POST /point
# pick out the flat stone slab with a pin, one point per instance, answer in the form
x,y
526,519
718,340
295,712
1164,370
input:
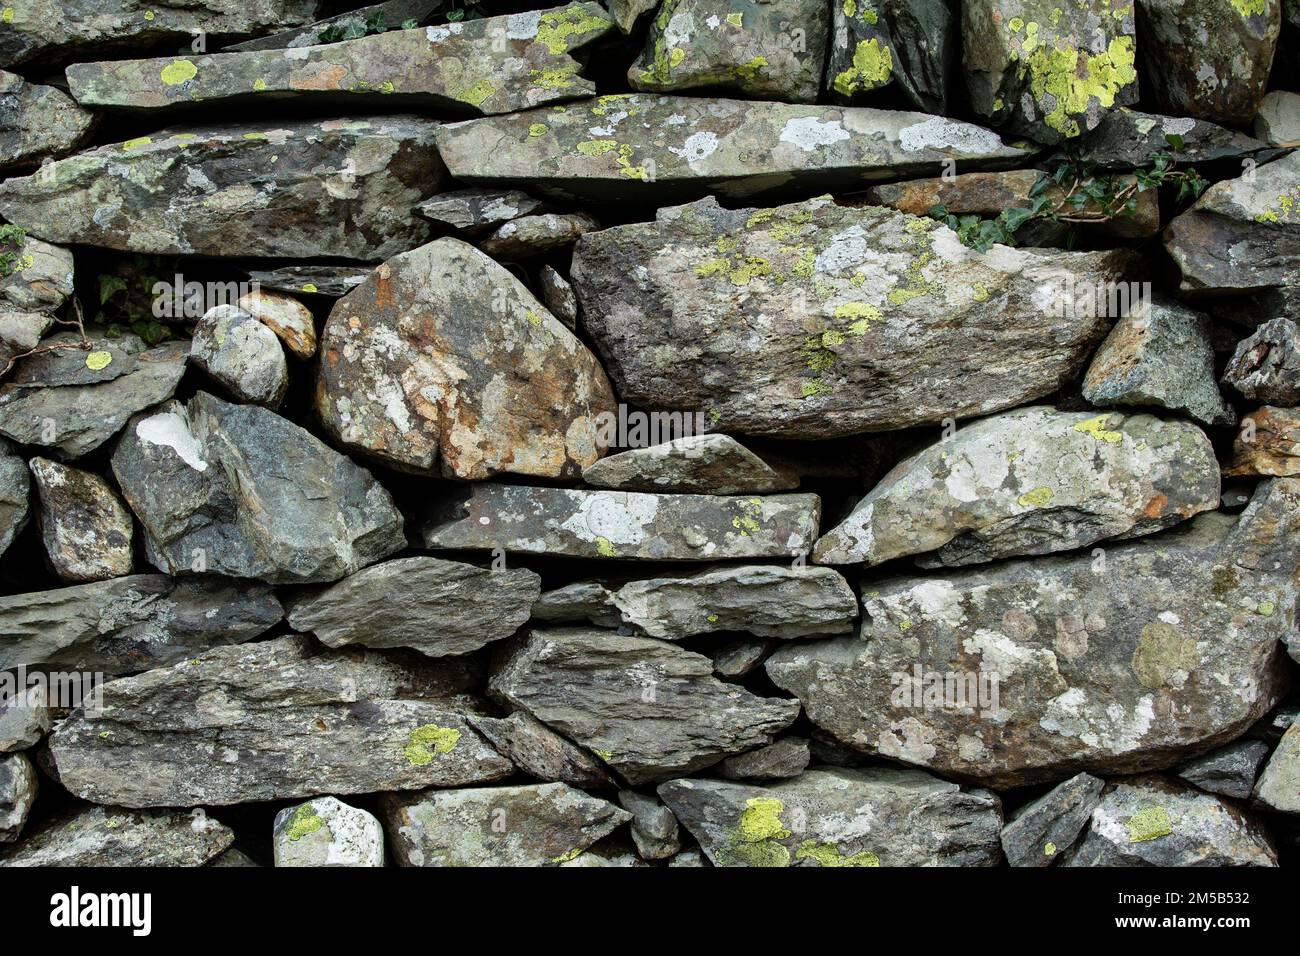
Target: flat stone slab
x,y
708,464
107,836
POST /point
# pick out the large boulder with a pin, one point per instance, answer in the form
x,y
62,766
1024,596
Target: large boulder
x,y
37,122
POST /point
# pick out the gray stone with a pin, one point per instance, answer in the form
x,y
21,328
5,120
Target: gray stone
x,y
649,710
476,211
581,601
909,44
392,12
1031,481
537,235
84,525
1039,832
710,464
737,658
539,825
689,858
625,525
763,600
536,749
232,857
654,828
784,758
24,719
242,355
436,607
1229,771
37,122
610,852
878,817
274,721
324,280
238,490
1279,785
130,624
626,12
1278,119
15,492
17,794
815,320
32,290
559,296
289,319
105,836
326,831
1266,366
1129,139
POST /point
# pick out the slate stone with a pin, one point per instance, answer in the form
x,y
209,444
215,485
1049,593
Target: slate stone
x,y
323,280
18,788
1266,366
1278,119
1039,832
1229,771
654,828
106,836
910,45
530,236
709,464
289,319
394,13
558,296
1128,139
477,211
537,750
15,493
1273,449
242,355
32,291
581,601
787,757
85,527
1279,785
37,122
24,719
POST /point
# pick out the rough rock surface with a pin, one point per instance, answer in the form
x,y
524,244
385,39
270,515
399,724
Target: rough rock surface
x,y
1128,138
288,318
879,817
536,749
394,12
339,187
626,525
242,354
1266,366
325,280
537,235
1031,481
709,464
105,836
815,320
37,122
908,43
15,491
650,710
1040,831
31,292
1229,771
238,490
654,828
1132,659
436,607
539,825
1279,785
581,601
787,757
737,658
1278,119
17,794
84,525
475,211
442,360
327,832
559,296
24,719
273,721
1274,446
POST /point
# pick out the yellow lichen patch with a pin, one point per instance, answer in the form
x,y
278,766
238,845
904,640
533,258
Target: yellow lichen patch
x,y
748,522
136,143
1063,80
1250,8
1164,655
259,85
309,287
7,15
1037,498
99,360
597,147
566,857
305,821
560,78
736,19
1149,823
828,854
1096,427
754,840
873,64
1049,849
861,315
605,548
428,741
474,95
561,30
538,129
178,71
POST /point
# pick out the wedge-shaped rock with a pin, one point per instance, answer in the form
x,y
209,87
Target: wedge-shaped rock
x,y
1041,831
579,602
536,235
884,816
1031,481
698,464
274,721
1278,119
1229,771
15,492
787,757
493,65
538,750
17,794
771,49
1274,446
131,623
1048,70
325,280
443,360
1128,139
1153,821
1266,365
764,600
37,122
1130,659
909,44
1279,785
650,710
288,318
814,320
327,832
624,524
391,13
648,148
238,490
84,525
71,401
24,719
476,211
31,292
541,825
296,189
105,836
436,607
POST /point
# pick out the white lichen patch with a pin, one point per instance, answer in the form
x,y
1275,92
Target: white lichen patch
x,y
170,430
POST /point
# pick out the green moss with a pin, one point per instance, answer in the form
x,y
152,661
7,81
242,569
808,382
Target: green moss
x,y
828,854
305,821
428,741
1149,823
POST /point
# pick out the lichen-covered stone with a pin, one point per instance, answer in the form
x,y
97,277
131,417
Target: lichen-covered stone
x,y
768,49
1267,444
654,828
1133,658
1039,832
1048,70
32,290
324,280
1279,785
536,749
709,464
17,794
84,525
787,757
483,66
105,836
910,44
37,122
814,320
288,318
242,354
884,816
1278,119
625,525
1229,771
1266,365
238,490
540,825
645,148
24,719
392,13
301,188
1031,481
626,12
764,600
326,831
15,491
537,235
649,710
443,361
274,721
1130,139
436,607
476,211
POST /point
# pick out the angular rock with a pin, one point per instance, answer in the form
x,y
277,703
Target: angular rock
x,y
1040,831
911,44
17,794
483,66
24,720
1159,353
540,825
813,320
327,832
233,857
476,211
654,828
1128,139
1050,71
331,281
784,758
273,721
392,13
282,190
1279,785
1030,671
32,290
288,318
1278,119
1152,821
626,12
626,525
879,817
1266,366
15,491
763,600
436,607
652,148
1032,481
536,749
1273,448
131,623
767,49
73,400
443,361
651,711
1229,771
238,490
1206,60
242,355
85,527
536,235
105,836
612,852
689,858
708,464
37,122
588,601
737,658
558,296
